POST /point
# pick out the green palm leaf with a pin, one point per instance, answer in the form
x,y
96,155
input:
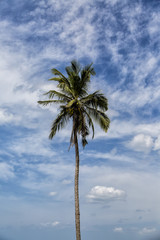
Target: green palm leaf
x,y
96,100
45,103
61,78
61,96
85,76
90,122
100,117
59,123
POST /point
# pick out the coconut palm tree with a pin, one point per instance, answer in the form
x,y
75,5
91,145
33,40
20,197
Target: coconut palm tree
x,y
82,108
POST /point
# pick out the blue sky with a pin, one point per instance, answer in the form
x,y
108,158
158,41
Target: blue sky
x,y
120,170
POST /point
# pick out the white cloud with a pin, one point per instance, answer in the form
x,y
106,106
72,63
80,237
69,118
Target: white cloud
x,y
52,193
34,144
151,129
112,113
55,223
128,128
147,230
154,24
66,182
157,144
104,194
151,63
6,117
50,224
112,155
118,229
141,143
6,171
16,70
59,170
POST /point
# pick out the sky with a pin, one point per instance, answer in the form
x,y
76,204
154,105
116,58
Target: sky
x,y
120,169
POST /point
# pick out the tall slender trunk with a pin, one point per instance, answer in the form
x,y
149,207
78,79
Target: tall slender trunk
x,y
76,189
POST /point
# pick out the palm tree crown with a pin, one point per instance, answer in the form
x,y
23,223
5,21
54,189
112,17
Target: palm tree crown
x,y
76,103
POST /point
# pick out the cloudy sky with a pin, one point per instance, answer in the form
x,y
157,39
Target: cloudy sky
x,y
120,170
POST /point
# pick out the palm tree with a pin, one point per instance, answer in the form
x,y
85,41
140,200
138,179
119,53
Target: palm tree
x,y
81,107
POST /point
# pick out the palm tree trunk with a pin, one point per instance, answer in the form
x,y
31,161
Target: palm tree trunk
x,y
77,212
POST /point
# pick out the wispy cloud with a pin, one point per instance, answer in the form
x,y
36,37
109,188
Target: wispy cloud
x,y
118,229
50,224
52,193
33,144
6,117
6,171
147,230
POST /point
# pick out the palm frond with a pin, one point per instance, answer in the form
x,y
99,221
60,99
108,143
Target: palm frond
x,y
75,66
45,103
69,71
74,78
58,79
65,89
100,117
90,122
85,76
63,85
83,129
74,81
59,123
60,95
61,78
71,139
74,69
90,69
96,100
